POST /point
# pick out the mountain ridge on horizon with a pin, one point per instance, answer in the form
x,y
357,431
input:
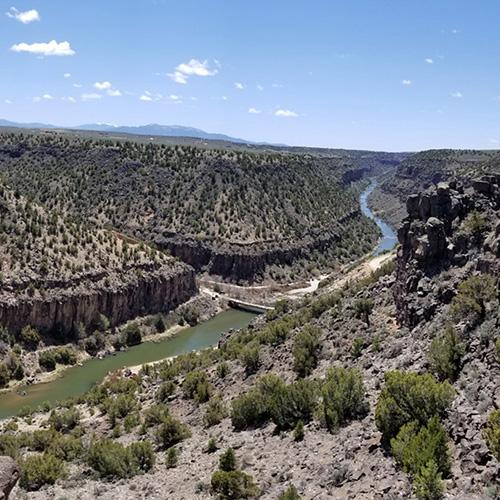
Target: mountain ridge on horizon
x,y
153,129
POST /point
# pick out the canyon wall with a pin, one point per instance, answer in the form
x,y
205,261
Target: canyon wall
x,y
60,310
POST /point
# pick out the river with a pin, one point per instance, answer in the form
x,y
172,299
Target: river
x,y
389,238
77,380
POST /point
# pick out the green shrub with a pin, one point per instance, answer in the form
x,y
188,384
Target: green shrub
x,y
110,459
408,397
159,323
359,344
306,349
363,308
227,461
414,447
290,493
343,397
4,375
492,433
196,386
428,484
445,355
119,406
38,470
215,412
29,338
64,420
47,360
102,323
172,457
165,390
142,455
250,357
233,485
65,356
298,431
156,414
222,370
211,445
132,334
293,403
473,294
171,432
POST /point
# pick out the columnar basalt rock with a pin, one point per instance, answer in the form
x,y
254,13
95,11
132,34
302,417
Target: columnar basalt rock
x,y
431,242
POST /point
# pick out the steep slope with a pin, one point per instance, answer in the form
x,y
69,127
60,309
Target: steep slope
x,y
56,273
230,213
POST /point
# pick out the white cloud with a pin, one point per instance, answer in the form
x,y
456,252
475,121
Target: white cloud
x,y
260,87
67,75
51,48
91,97
174,97
47,97
25,17
456,94
102,85
192,68
145,98
69,99
224,97
44,97
8,101
277,86
114,93
428,60
406,82
77,85
287,113
254,111
239,85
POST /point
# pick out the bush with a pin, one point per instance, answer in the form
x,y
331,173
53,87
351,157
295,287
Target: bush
x,y
156,414
473,294
408,397
142,455
306,349
492,433
171,432
4,375
159,323
298,431
445,355
292,403
359,344
233,485
64,420
119,406
102,323
250,357
211,445
222,369
110,459
215,412
47,360
414,447
165,390
196,386
172,457
290,493
38,470
132,334
65,356
428,484
227,461
343,397
29,338
363,308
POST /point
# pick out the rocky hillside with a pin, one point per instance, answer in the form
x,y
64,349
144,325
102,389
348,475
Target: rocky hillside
x,y
385,388
56,273
231,213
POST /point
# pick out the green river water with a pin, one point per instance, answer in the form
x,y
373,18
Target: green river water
x,y
76,380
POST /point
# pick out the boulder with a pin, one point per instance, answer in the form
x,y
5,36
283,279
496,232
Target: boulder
x,y
9,474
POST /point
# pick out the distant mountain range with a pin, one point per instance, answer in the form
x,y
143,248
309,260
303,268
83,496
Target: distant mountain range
x,y
150,129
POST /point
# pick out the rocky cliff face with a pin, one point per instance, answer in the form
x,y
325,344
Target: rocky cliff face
x,y
439,235
247,262
138,293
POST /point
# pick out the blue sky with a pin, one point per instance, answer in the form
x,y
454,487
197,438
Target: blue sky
x,y
370,74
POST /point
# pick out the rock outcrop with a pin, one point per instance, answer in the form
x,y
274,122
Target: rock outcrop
x,y
9,475
138,292
433,238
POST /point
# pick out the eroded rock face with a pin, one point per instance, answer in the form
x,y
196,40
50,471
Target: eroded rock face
x,y
9,474
431,240
139,294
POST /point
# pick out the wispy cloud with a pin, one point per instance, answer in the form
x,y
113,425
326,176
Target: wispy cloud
x,y
113,93
406,82
286,113
91,97
254,111
77,85
51,48
69,99
8,101
428,60
239,85
44,97
260,87
456,94
145,98
67,75
193,67
102,85
26,17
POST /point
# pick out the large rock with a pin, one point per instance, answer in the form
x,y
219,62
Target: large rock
x,y
9,474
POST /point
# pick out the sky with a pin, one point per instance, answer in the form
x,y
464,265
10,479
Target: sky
x,y
395,75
